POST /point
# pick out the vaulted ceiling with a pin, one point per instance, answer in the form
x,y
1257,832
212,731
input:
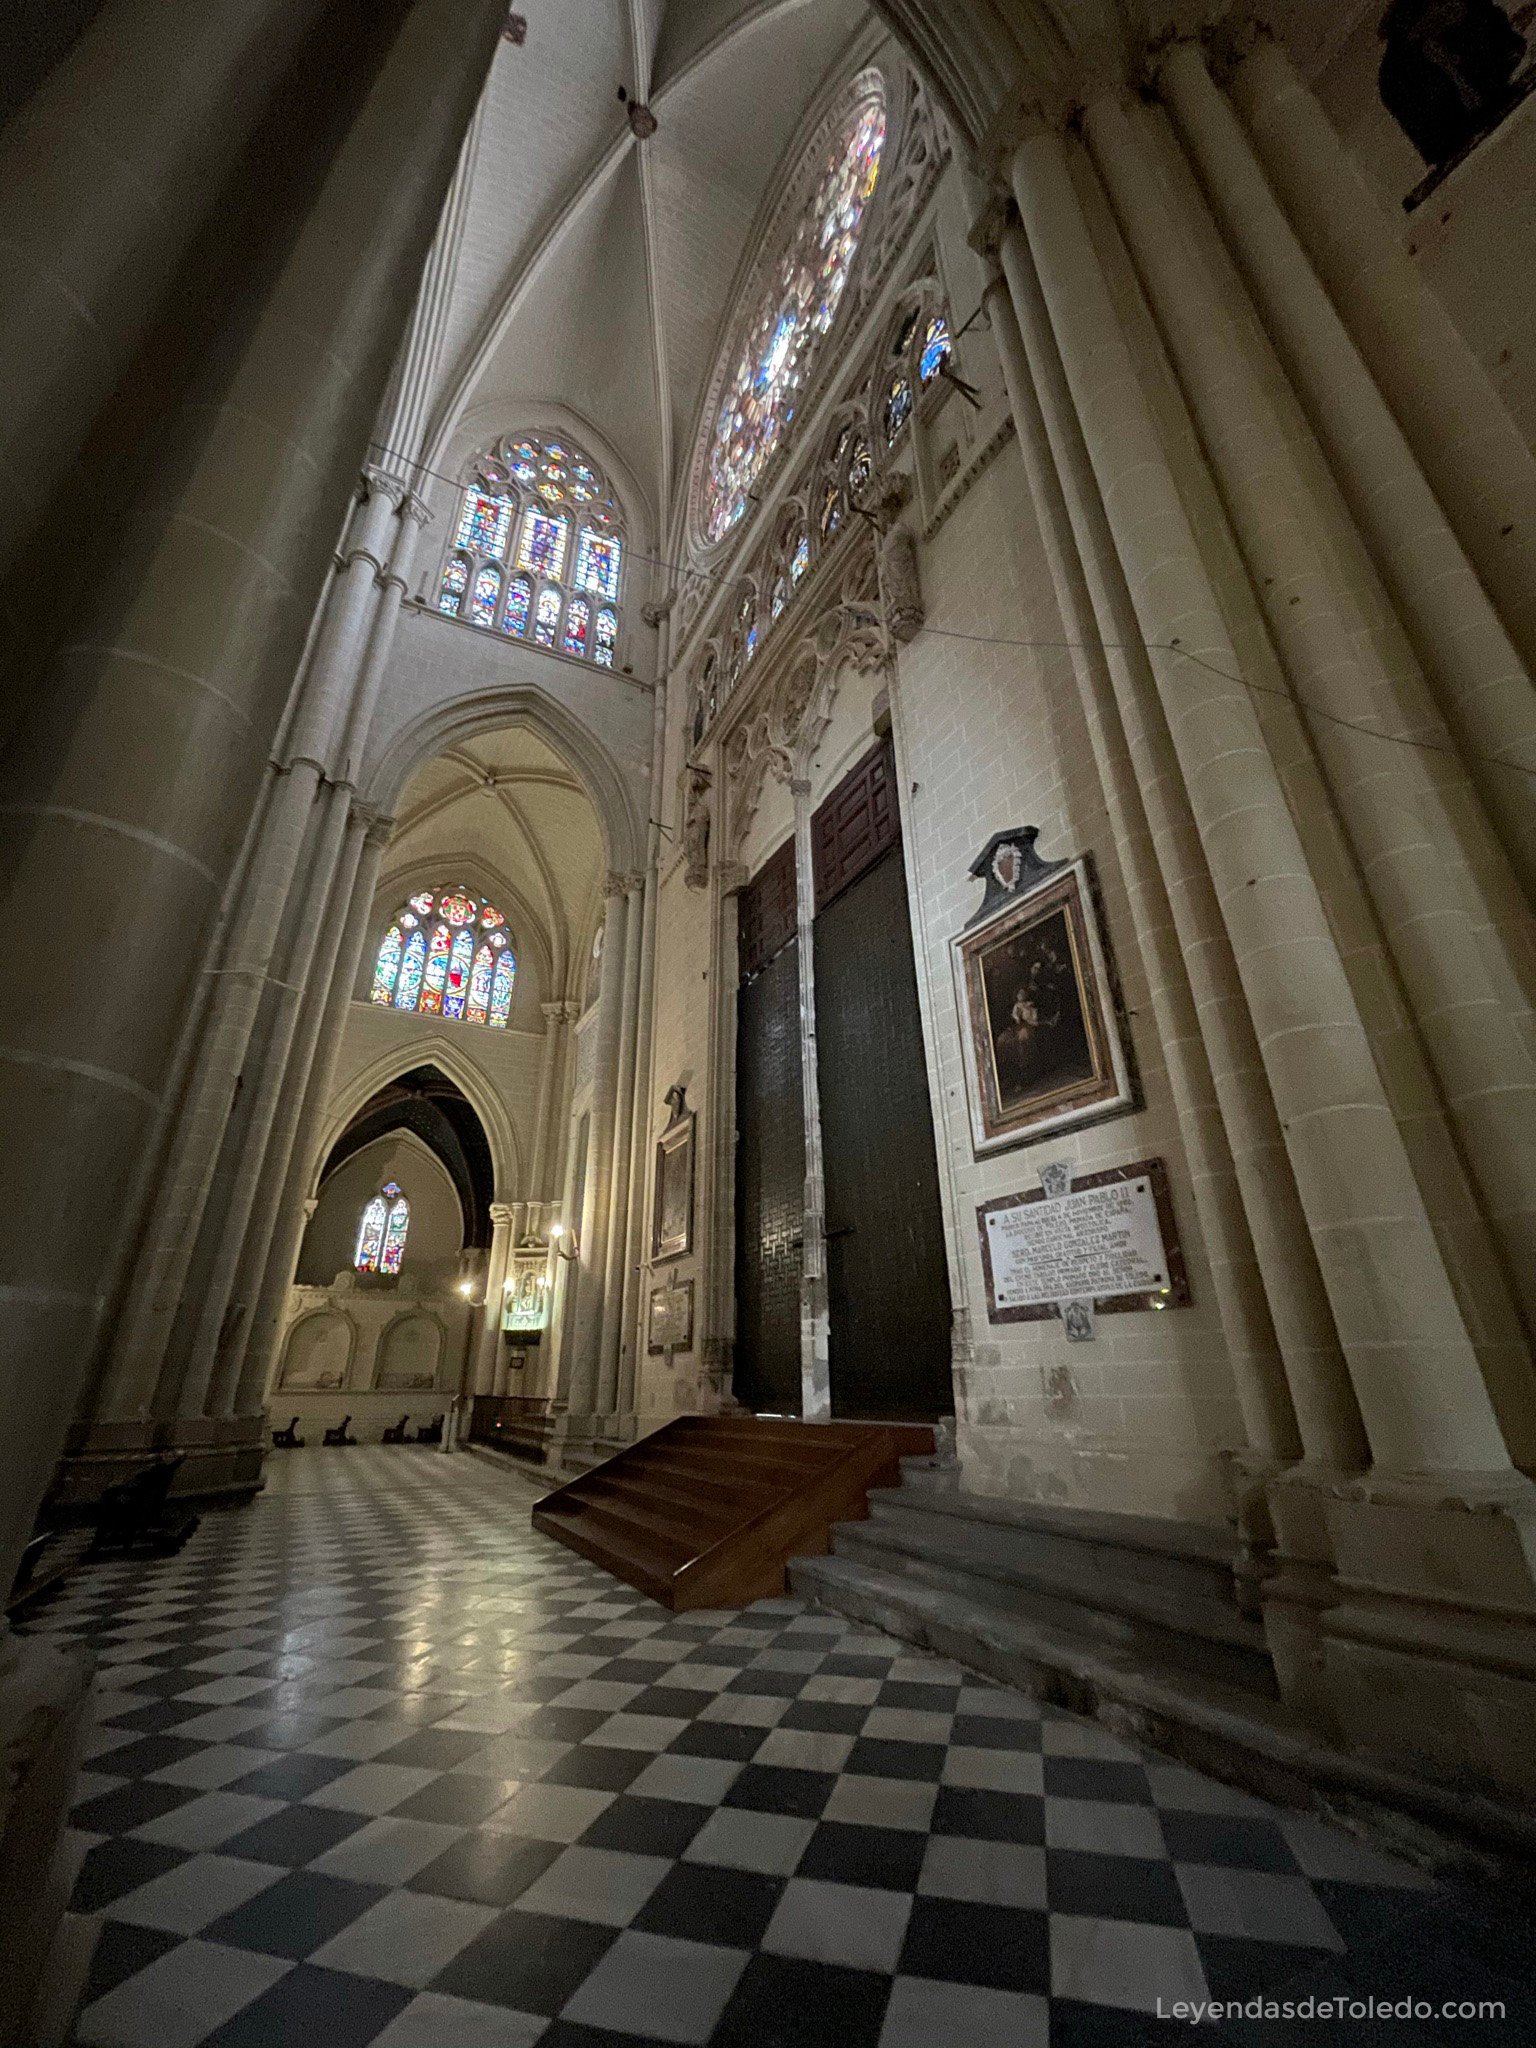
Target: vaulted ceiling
x,y
596,266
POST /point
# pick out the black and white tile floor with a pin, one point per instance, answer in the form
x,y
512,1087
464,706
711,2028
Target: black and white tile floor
x,y
377,1764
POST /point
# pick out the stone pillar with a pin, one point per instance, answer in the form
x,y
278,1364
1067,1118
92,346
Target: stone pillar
x,y
586,1359
488,1342
130,780
614,1277
107,174
815,1320
271,1300
1447,405
549,1064
1224,1192
1483,687
1407,807
1414,1371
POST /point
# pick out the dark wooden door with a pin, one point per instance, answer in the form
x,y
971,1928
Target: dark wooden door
x,y
770,1144
887,1281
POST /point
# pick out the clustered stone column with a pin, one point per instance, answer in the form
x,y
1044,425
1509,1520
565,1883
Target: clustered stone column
x,y
1304,669
160,765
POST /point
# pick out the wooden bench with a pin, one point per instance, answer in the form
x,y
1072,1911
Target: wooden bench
x,y
395,1434
338,1435
288,1439
431,1432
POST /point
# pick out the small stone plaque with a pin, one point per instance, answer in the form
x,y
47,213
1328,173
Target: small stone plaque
x,y
671,1319
1107,1243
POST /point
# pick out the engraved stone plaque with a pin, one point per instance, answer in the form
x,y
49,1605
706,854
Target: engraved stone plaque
x,y
1108,1243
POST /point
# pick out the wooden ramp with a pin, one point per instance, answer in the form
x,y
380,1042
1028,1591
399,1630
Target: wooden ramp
x,y
707,1511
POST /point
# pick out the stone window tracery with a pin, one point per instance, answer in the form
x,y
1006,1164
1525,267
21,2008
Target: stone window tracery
x,y
538,552
447,953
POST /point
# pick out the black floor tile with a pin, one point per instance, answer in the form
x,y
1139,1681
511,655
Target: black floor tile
x,y
121,1952
150,1753
987,1731
597,1768
673,1700
1114,1888
825,1717
926,1699
646,1827
779,1685
562,1724
294,1776
119,1866
988,1816
694,1902
313,2008
781,2002
289,1731
876,1758
1236,1968
1003,1947
531,1962
459,1799
295,1915
486,1868
888,1858
159,1716
296,1835
770,1788
839,1665
129,1806
719,1739
1224,1838
1107,2026
434,1749
1086,1777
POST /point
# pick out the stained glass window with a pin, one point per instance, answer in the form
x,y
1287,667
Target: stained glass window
x,y
607,637
800,560
597,564
370,1235
547,507
898,407
394,1235
482,606
780,596
519,603
831,507
484,524
436,972
501,988
480,985
798,295
541,544
456,993
387,967
935,349
455,582
408,987
449,966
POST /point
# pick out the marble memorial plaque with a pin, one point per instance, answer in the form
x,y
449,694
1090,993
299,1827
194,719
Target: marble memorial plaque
x,y
1108,1242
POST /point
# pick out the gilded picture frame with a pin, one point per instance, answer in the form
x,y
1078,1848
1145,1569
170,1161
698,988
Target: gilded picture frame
x,y
672,1193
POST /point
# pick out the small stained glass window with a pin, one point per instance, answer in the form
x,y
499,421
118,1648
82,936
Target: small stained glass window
x,y
831,507
454,584
460,960
519,604
607,637
578,618
541,545
597,564
898,407
436,973
370,1235
936,347
501,989
484,524
408,986
393,1249
800,560
546,619
480,985
482,606
386,968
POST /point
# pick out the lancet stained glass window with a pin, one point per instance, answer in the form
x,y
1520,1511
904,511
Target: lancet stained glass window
x,y
381,1231
799,291
447,953
539,507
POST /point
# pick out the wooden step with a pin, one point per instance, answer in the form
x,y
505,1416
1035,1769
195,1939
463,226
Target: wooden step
x,y
707,1510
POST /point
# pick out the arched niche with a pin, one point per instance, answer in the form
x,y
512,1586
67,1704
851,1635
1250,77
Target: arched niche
x,y
317,1354
410,1353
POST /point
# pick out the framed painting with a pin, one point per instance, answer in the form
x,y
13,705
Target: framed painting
x,y
672,1197
1044,1048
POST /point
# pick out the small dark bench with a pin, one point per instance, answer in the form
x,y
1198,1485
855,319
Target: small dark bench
x,y
288,1439
431,1432
395,1434
338,1435
136,1513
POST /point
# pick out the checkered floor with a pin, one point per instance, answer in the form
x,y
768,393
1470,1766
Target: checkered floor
x,y
376,1764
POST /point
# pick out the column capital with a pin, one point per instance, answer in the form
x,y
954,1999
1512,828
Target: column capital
x,y
379,827
383,483
501,1214
654,614
573,1011
553,1012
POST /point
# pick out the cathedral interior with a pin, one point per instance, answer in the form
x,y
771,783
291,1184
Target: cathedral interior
x,y
778,1285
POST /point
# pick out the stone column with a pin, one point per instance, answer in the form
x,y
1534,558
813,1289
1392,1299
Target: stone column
x,y
488,1341
549,1063
815,1320
1447,405
1407,807
1482,685
623,1125
129,781
271,1298
107,174
586,1360
1224,1192
1414,1371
